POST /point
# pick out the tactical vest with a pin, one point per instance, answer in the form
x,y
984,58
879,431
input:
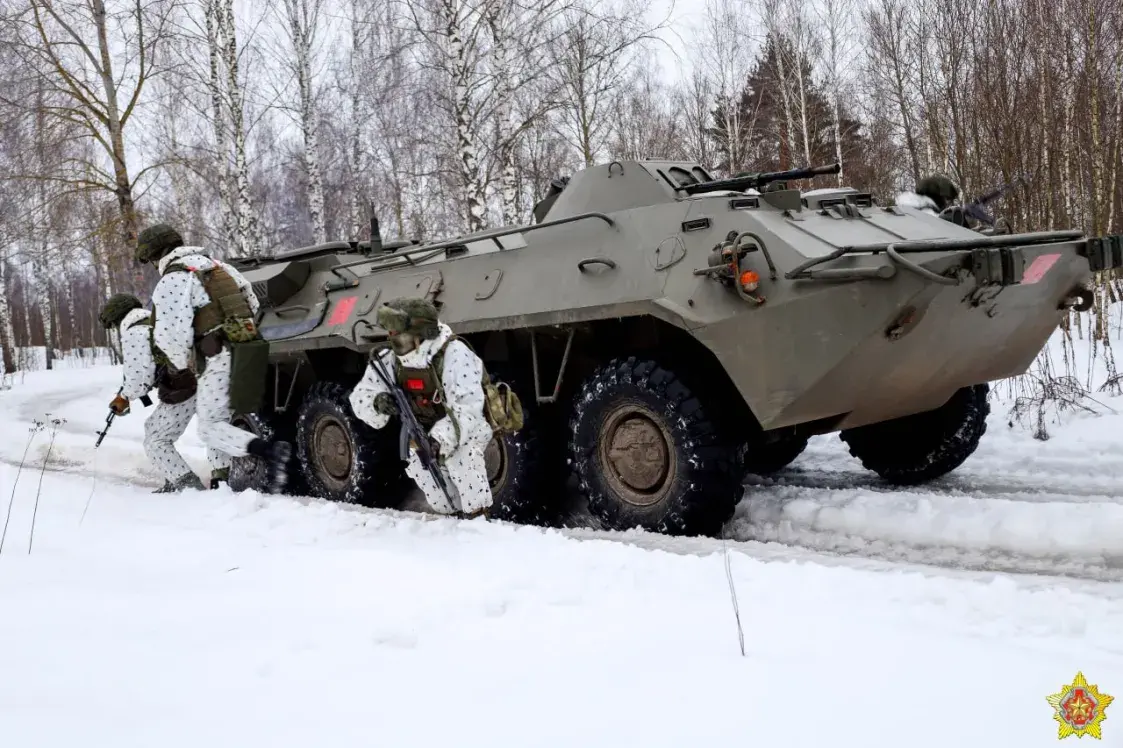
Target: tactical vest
x,y
423,387
227,308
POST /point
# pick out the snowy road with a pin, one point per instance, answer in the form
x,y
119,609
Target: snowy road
x,y
239,620
1018,505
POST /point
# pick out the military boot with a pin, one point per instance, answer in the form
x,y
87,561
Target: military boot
x,y
187,480
485,513
276,455
219,477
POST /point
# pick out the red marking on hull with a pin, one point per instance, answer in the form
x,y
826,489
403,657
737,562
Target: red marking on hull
x,y
1038,268
342,311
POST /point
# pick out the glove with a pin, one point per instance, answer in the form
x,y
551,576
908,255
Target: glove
x,y
384,404
119,405
434,447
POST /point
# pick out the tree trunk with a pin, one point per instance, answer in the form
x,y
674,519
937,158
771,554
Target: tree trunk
x,y
124,186
231,227
249,228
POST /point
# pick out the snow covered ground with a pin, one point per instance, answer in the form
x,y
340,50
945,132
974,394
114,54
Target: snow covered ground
x,y
869,617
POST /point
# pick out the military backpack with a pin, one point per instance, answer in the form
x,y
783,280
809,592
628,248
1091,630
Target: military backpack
x,y
226,321
173,386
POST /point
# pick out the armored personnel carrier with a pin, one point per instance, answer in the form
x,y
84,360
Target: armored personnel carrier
x,y
667,332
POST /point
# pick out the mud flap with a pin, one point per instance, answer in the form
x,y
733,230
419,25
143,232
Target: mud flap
x,y
249,370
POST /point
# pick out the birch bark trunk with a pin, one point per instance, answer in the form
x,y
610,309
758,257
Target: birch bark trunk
x,y
303,18
231,228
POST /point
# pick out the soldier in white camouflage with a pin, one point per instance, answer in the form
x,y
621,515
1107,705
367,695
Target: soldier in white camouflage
x,y
205,310
444,380
145,368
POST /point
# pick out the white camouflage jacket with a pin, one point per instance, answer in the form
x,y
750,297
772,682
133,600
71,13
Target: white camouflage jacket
x,y
461,377
920,202
178,295
136,347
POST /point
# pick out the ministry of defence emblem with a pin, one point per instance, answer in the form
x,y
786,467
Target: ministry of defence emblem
x,y
1079,708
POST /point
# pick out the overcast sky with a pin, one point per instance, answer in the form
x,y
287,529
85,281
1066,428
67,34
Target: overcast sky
x,y
684,14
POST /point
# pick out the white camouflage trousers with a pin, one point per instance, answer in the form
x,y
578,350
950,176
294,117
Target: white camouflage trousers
x,y
213,409
466,476
163,429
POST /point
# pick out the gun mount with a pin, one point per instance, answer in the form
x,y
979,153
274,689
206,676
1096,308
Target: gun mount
x,y
667,331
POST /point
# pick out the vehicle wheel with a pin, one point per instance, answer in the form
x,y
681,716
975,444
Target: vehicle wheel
x,y
342,458
517,463
250,472
765,458
921,447
647,453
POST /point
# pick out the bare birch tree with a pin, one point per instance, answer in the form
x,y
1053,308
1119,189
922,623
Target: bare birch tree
x,y
95,62
303,21
723,62
834,18
591,63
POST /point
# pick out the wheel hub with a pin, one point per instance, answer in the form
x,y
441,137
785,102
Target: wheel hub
x,y
332,449
635,450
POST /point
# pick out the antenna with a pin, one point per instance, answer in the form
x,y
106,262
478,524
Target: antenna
x,y
375,235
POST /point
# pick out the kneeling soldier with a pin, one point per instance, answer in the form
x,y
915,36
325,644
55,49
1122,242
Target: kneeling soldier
x,y
444,380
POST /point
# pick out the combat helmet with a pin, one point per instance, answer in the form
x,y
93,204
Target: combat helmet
x,y
115,309
939,188
414,316
155,242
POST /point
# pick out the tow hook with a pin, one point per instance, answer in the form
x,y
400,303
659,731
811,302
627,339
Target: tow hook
x,y
1078,300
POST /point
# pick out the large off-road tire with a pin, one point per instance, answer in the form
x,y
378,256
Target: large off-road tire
x,y
343,459
251,472
922,447
515,462
765,458
646,452
512,462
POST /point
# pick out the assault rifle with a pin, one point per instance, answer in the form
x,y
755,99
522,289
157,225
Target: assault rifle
x,y
144,399
757,181
412,430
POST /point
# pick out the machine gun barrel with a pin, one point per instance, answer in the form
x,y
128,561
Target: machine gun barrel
x,y
976,208
756,181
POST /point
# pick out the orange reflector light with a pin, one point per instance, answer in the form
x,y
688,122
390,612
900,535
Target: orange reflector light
x,y
749,280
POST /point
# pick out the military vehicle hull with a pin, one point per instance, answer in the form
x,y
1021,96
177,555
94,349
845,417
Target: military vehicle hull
x,y
765,317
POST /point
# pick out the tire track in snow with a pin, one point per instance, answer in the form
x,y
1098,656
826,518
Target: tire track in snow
x,y
757,541
1016,506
